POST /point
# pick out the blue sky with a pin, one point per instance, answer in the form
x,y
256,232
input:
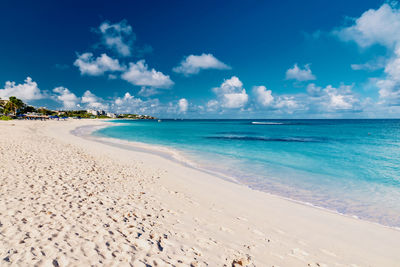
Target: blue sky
x,y
205,59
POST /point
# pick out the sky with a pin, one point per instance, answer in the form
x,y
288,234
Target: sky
x,y
205,59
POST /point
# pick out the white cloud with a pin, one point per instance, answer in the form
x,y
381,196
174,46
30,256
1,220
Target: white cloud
x,y
139,74
331,99
389,87
130,104
231,85
318,101
66,97
393,66
183,105
127,97
148,91
96,67
372,65
212,105
26,91
92,101
380,26
231,93
193,64
341,98
314,90
235,100
287,103
118,37
263,96
300,74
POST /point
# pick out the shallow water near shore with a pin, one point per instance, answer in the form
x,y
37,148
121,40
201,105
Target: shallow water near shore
x,y
349,166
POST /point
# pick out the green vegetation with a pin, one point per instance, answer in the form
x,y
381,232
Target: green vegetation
x,y
76,113
14,107
27,109
5,118
136,117
46,111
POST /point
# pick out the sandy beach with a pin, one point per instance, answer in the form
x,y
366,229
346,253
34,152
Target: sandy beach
x,y
66,200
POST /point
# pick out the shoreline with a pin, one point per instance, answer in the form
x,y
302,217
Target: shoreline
x,y
197,216
163,151
176,156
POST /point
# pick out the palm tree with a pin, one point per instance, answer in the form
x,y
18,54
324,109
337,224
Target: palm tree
x,y
14,104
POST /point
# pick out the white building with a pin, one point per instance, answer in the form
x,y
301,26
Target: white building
x,y
92,111
96,112
111,115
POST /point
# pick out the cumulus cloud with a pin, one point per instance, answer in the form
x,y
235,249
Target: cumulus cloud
x,y
88,65
193,64
139,74
287,103
300,74
332,99
235,100
130,104
127,97
118,37
212,105
380,26
27,91
341,98
93,101
66,97
317,100
389,87
263,96
231,93
183,105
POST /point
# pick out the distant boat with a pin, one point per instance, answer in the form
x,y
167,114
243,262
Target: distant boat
x,y
159,120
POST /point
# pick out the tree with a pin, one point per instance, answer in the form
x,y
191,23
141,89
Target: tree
x,y
44,111
27,109
13,105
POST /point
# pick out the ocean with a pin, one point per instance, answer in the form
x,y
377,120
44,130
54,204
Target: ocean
x,y
347,166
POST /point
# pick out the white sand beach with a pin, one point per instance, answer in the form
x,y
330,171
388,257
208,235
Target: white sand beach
x,y
72,201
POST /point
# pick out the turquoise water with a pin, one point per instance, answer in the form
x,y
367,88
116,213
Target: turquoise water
x,y
349,166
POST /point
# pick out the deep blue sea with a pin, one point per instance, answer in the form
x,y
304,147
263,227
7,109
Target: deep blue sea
x,y
348,166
